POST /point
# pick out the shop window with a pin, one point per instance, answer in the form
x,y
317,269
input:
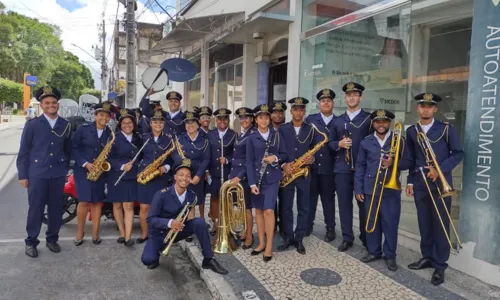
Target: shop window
x,y
193,93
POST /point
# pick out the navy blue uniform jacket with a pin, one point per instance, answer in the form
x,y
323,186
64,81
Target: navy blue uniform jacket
x,y
325,157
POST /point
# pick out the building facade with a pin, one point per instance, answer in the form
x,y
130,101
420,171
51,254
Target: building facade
x,y
253,52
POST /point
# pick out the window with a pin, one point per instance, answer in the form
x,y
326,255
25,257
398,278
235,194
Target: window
x,y
144,43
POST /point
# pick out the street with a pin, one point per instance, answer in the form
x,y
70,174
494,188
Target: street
x,y
106,271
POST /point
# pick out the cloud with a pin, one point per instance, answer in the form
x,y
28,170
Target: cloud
x,y
79,21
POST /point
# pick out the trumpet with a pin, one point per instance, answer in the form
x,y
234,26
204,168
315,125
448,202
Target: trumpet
x,y
445,191
232,217
393,180
171,235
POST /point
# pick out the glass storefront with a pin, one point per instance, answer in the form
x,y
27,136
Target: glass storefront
x,y
193,90
396,54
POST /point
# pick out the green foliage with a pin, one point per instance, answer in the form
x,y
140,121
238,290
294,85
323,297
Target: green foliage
x,y
10,91
15,111
93,92
29,46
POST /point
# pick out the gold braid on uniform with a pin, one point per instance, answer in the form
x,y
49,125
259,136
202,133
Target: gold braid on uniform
x,y
307,137
64,132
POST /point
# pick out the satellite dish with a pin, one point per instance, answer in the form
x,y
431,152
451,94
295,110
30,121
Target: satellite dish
x,y
86,98
149,76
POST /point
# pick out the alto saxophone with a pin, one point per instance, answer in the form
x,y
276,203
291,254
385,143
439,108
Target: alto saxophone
x,y
297,166
100,163
153,170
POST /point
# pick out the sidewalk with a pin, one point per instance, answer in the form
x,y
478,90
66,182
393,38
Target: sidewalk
x,y
10,136
325,273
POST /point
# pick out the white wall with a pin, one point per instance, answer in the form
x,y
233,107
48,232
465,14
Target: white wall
x,y
249,76
204,8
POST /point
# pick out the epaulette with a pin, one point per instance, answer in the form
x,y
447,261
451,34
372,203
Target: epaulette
x,y
164,190
84,124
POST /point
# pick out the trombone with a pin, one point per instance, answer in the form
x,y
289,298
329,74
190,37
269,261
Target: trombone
x,y
445,191
393,180
171,235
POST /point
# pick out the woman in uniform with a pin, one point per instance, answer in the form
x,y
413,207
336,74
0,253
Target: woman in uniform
x,y
87,144
158,144
194,146
124,193
205,114
238,170
265,154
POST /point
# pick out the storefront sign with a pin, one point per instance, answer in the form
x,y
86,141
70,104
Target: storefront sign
x,y
179,69
480,201
31,80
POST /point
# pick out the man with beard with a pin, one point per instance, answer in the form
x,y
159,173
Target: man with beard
x,y
446,146
174,117
42,165
165,208
377,157
347,132
322,168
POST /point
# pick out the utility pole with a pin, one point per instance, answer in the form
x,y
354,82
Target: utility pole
x,y
130,92
104,66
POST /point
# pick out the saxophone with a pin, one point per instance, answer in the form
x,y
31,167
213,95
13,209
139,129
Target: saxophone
x,y
100,163
153,170
298,166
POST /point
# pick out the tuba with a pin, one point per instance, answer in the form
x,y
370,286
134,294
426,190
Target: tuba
x,y
181,217
232,217
153,170
100,163
393,180
298,168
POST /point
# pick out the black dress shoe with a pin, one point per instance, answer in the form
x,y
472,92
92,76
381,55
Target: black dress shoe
x,y
54,247
120,240
96,241
77,242
422,263
31,251
129,243
189,239
153,265
141,240
267,258
245,246
369,258
257,252
286,243
437,277
344,246
330,235
300,248
391,264
213,265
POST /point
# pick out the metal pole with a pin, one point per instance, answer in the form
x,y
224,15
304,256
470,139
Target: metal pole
x,y
104,67
130,94
215,103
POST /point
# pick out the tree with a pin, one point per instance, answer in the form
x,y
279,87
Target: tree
x,y
11,91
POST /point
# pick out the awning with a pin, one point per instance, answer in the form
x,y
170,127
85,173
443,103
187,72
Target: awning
x,y
190,30
262,22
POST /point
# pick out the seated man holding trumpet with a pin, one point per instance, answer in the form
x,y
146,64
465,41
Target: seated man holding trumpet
x,y
171,219
382,155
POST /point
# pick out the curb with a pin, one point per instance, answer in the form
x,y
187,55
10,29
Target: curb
x,y
217,285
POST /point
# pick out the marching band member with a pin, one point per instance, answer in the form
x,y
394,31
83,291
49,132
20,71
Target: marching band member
x,y
239,170
89,141
143,123
322,176
347,132
123,194
265,151
278,114
204,114
370,162
194,147
174,118
298,137
165,207
445,143
158,144
277,118
220,158
42,165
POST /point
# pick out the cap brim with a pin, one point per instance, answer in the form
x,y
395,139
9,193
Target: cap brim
x,y
432,102
102,110
381,119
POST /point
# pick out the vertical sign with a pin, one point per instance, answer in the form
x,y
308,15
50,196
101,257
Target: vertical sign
x,y
26,92
262,82
480,201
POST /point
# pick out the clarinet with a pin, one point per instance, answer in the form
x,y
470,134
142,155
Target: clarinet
x,y
263,166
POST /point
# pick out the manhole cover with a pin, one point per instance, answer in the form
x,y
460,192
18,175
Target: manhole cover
x,y
320,277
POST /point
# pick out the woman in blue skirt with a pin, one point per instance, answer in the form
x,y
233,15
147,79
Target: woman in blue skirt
x,y
239,170
195,146
88,142
265,154
123,193
159,143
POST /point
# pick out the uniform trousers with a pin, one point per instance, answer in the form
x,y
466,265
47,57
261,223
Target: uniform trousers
x,y
344,183
42,192
322,186
286,208
433,242
387,223
154,244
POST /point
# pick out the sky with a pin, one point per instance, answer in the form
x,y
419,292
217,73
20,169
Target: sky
x,y
78,20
